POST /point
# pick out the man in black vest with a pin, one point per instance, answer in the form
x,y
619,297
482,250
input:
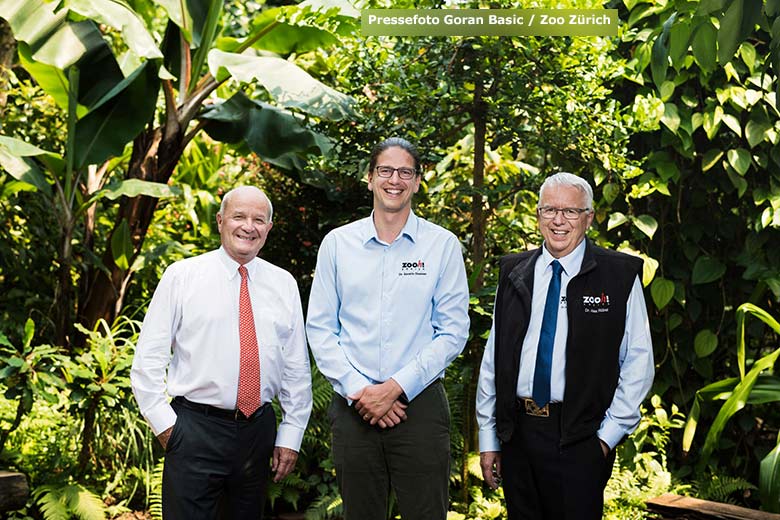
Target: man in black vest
x,y
559,390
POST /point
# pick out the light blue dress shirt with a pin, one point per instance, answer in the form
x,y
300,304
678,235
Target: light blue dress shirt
x,y
379,311
635,358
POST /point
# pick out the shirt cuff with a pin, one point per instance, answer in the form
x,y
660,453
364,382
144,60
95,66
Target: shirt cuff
x,y
353,385
611,433
408,381
288,436
160,418
488,441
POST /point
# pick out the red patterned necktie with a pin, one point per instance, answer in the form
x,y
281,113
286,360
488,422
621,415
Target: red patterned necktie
x,y
249,370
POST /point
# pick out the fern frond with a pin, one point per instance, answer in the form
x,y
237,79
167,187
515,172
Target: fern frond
x,y
155,491
63,502
324,507
85,504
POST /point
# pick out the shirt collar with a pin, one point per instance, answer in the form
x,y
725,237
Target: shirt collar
x,y
409,230
571,263
231,266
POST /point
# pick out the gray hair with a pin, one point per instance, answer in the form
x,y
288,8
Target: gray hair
x,y
227,196
569,179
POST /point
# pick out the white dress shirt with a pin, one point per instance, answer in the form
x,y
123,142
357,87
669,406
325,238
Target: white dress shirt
x,y
191,334
635,357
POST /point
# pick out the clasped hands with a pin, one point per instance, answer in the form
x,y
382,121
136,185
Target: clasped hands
x,y
379,404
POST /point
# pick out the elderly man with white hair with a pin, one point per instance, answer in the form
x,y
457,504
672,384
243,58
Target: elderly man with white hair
x,y
567,364
224,335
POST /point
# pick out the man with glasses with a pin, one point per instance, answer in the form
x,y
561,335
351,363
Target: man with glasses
x,y
388,312
567,364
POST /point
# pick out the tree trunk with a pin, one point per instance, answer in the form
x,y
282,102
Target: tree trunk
x,y
88,435
154,158
7,55
478,217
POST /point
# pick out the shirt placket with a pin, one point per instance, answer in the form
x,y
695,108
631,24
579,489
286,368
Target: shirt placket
x,y
386,312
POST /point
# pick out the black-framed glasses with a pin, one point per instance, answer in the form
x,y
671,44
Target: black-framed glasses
x,y
388,171
549,212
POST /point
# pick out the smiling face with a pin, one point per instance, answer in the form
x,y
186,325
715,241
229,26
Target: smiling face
x,y
562,236
244,224
393,194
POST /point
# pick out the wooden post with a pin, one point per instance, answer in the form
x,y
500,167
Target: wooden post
x,y
13,491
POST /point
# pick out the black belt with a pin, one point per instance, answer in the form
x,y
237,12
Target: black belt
x,y
213,411
528,406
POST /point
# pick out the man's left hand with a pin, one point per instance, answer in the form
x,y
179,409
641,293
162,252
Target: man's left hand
x,y
283,463
374,401
604,448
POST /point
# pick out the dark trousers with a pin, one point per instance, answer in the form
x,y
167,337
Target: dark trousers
x,y
217,467
544,481
412,458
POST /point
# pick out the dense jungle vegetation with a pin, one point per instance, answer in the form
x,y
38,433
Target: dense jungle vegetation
x,y
122,123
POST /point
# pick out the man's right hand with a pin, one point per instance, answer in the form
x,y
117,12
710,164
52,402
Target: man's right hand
x,y
164,436
394,416
490,463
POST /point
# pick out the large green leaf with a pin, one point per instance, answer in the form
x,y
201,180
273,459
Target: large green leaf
x,y
679,41
737,23
58,42
704,51
208,34
19,159
734,404
659,60
758,125
51,79
710,6
616,219
289,85
276,135
133,188
710,159
739,159
707,269
300,28
705,343
117,118
769,480
671,117
190,16
766,390
122,246
742,313
711,121
120,17
662,291
646,224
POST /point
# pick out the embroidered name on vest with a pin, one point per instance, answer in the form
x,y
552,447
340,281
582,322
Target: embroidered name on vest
x,y
598,303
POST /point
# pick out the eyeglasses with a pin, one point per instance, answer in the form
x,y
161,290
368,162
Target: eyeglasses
x,y
388,171
548,212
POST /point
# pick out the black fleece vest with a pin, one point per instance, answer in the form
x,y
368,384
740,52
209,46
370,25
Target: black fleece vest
x,y
596,307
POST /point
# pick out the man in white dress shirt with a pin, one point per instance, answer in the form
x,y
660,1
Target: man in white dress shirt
x,y
224,335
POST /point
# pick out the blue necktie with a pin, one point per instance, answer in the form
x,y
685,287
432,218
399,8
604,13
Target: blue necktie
x,y
541,392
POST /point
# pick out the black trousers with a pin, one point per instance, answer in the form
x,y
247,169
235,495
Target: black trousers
x,y
412,458
217,467
544,481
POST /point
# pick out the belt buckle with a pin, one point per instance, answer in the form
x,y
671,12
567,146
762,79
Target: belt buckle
x,y
532,409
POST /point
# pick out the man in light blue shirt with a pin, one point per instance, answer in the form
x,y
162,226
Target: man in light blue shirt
x,y
388,312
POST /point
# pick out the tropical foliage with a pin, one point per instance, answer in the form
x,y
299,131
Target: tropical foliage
x,y
123,123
